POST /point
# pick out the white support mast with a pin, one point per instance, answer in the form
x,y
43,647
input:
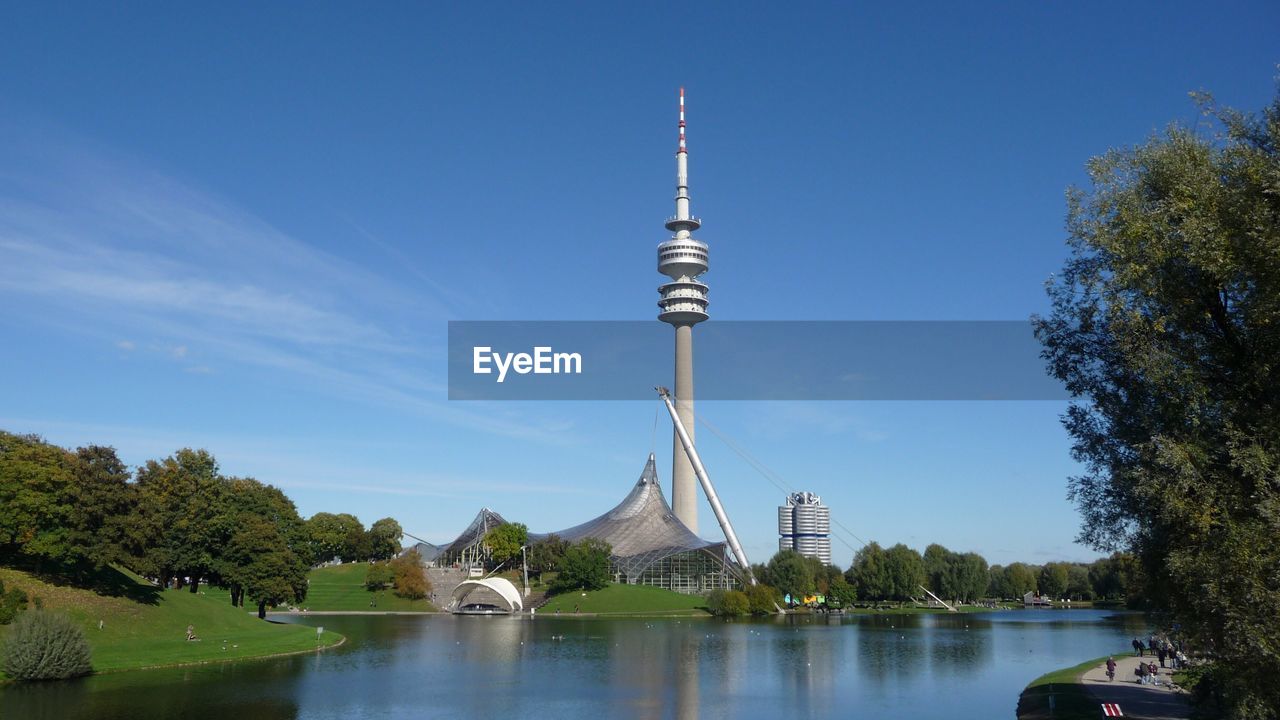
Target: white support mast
x,y
707,487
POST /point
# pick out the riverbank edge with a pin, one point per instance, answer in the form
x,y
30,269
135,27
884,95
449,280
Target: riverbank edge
x,y
1072,690
342,639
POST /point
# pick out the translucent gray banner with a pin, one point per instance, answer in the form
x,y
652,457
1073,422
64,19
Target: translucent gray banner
x,y
794,360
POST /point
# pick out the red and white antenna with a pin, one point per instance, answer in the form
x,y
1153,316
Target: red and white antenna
x,y
682,145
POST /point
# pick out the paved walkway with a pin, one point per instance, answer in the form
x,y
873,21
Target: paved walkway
x,y
1146,702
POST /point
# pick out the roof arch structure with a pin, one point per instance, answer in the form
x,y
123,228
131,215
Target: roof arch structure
x,y
494,591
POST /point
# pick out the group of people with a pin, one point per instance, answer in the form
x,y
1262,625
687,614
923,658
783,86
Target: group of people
x,y
1162,649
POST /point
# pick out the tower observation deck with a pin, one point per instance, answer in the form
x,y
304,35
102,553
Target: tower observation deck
x,y
683,304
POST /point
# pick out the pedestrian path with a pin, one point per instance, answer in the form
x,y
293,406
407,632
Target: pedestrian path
x,y
1145,702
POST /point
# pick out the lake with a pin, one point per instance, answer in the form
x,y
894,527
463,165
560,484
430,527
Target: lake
x,y
563,668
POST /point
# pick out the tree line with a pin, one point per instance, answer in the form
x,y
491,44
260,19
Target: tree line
x,y
901,573
176,520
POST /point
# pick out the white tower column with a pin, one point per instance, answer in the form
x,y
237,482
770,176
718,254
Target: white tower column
x,y
683,304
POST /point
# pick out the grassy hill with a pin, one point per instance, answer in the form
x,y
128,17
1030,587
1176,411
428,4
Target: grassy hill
x,y
144,626
341,587
624,599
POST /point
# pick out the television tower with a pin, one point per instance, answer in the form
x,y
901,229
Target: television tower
x,y
683,305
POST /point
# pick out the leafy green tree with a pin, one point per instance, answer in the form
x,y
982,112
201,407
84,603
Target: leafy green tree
x,y
379,576
37,500
870,573
46,646
100,530
1078,585
939,571
1020,579
178,506
585,566
1116,578
384,539
969,573
263,568
547,554
1164,330
1053,579
792,574
335,536
840,594
504,542
906,572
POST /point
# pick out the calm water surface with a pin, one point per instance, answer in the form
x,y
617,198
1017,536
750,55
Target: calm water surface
x,y
922,666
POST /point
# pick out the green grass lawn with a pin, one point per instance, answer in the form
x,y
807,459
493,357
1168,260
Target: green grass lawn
x,y
624,599
341,588
1071,700
143,626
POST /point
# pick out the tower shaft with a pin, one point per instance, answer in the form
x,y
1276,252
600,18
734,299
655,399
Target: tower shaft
x,y
683,305
684,482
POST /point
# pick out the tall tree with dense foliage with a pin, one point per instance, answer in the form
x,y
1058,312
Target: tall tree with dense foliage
x,y
262,568
409,577
384,538
906,572
869,574
1164,330
335,536
36,500
585,566
179,503
792,574
504,542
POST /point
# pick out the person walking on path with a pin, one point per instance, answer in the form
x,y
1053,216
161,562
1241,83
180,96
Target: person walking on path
x,y
1137,647
1160,653
1111,669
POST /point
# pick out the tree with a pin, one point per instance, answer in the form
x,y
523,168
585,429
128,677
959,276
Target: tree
x,y
792,574
504,542
379,575
1020,579
906,572
971,576
179,501
1053,580
547,554
36,499
409,577
335,536
100,530
869,573
1163,330
585,566
384,538
1078,585
840,594
261,567
763,599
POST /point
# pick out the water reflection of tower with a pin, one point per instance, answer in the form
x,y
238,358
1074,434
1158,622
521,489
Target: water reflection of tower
x,y
683,304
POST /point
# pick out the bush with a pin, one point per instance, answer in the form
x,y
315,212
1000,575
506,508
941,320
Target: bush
x,y
46,646
728,603
763,599
585,566
379,575
12,603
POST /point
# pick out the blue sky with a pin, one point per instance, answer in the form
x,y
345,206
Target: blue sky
x,y
245,229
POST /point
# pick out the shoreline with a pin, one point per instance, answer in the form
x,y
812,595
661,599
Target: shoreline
x,y
342,639
1078,691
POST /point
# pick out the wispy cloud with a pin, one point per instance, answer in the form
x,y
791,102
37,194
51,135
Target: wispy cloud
x,y
106,246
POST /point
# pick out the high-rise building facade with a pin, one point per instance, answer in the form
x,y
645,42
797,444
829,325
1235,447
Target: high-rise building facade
x,y
804,525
